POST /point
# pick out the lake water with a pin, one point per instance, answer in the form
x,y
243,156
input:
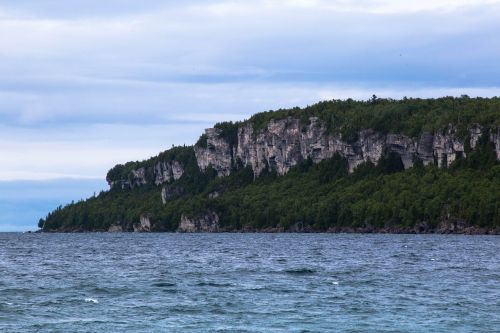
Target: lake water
x,y
249,283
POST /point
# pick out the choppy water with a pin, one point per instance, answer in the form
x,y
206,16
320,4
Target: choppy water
x,y
249,283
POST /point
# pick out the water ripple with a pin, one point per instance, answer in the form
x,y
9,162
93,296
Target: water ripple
x,y
249,283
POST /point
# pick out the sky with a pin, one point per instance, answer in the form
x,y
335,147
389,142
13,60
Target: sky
x,y
87,84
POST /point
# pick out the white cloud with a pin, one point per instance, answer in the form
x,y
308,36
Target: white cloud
x,y
227,8
88,151
84,152
161,73
85,85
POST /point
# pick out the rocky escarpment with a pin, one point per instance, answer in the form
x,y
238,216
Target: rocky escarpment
x,y
285,142
218,153
167,171
163,172
226,181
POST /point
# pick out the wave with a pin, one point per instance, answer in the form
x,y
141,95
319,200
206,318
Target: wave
x,y
300,271
163,284
91,300
213,284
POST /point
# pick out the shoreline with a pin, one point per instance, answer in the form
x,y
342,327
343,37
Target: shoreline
x,y
344,230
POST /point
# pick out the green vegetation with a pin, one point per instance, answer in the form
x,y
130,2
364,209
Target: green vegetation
x,y
183,154
409,116
322,195
202,141
229,131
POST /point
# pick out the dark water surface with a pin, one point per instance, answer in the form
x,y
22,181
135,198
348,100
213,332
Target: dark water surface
x,y
249,283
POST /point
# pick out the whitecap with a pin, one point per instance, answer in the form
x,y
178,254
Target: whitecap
x,y
335,282
91,300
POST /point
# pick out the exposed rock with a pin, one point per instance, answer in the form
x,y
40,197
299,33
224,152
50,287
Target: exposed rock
x,y
285,143
282,145
495,138
421,227
167,171
163,172
144,225
213,195
425,148
447,147
122,183
475,133
138,177
298,227
167,192
452,226
115,228
217,154
402,145
208,222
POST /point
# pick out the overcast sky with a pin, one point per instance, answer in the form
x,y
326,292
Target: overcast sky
x,y
86,84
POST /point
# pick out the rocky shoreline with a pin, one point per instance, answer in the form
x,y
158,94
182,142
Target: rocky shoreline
x,y
209,222
335,230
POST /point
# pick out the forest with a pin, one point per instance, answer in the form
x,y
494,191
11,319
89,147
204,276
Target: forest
x,y
324,196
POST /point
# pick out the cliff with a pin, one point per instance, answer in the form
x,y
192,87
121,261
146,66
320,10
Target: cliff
x,y
280,142
284,143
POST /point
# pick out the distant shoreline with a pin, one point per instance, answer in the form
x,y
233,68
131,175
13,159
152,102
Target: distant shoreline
x,y
376,166
347,230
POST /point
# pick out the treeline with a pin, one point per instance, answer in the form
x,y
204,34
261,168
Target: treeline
x,y
409,116
183,154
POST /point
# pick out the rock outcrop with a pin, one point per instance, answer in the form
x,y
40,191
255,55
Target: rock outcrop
x,y
115,228
285,142
208,222
495,138
167,171
163,172
168,192
217,153
144,224
138,177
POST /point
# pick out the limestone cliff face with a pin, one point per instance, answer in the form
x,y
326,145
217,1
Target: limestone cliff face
x,y
167,171
144,224
495,138
217,153
285,142
138,177
163,172
208,222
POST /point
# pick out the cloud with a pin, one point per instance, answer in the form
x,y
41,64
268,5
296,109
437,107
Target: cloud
x,y
82,151
85,85
88,84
